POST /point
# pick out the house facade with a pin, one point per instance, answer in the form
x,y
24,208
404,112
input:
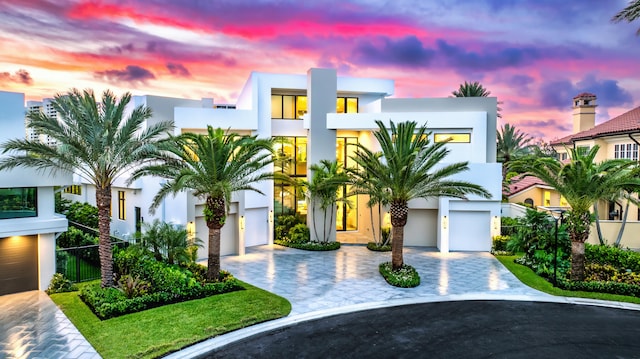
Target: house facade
x,y
618,137
28,222
321,116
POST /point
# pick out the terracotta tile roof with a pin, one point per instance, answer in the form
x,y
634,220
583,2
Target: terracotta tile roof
x,y
520,183
584,94
625,123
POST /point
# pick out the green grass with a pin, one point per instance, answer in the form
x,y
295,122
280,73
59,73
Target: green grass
x,y
530,278
158,331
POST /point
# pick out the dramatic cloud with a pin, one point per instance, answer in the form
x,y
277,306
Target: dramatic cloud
x,y
21,76
408,51
549,123
490,59
131,74
558,94
178,69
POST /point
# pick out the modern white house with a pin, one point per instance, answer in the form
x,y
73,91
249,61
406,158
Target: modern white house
x,y
28,222
320,116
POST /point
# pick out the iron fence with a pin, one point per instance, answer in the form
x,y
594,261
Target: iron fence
x,y
80,264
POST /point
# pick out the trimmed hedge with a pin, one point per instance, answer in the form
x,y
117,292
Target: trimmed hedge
x,y
145,283
373,246
310,246
601,287
619,258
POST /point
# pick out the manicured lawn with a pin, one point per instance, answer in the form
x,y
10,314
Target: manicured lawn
x,y
157,331
528,277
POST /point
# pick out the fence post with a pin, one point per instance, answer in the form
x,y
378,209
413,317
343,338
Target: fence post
x,y
75,253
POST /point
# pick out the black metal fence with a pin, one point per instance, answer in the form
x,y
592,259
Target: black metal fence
x,y
80,264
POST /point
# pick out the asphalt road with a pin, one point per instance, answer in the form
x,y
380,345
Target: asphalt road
x,y
465,329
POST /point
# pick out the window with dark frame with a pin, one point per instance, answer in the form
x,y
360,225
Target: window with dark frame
x,y
121,206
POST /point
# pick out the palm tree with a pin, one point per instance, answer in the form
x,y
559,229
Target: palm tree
x,y
512,143
629,14
322,191
473,89
213,166
406,168
97,142
363,185
582,182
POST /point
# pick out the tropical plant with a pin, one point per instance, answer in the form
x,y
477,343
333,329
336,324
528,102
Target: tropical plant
x,y
322,192
407,167
629,13
512,143
169,243
95,140
582,182
473,89
213,165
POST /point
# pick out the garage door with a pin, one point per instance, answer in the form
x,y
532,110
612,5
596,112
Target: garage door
x,y
18,264
228,236
470,231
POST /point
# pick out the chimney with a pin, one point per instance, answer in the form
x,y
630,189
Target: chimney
x,y
584,112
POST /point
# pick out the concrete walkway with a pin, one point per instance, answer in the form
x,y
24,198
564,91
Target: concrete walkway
x,y
32,326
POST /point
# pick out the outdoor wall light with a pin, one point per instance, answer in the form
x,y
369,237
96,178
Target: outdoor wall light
x,y
496,223
271,216
241,222
445,222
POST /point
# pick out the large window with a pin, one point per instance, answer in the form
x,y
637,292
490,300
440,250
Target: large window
x,y
18,202
73,189
293,107
291,158
452,137
347,215
121,206
626,150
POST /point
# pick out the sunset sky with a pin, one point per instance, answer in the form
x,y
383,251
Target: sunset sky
x,y
534,55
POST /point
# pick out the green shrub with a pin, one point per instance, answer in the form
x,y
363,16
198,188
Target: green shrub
x,y
311,246
405,277
508,226
617,257
500,244
60,284
62,258
601,287
283,224
373,246
132,287
299,233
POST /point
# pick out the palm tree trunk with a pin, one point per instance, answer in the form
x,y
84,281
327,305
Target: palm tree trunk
x,y
373,227
577,260
331,222
216,217
103,201
624,223
578,233
598,229
399,212
397,233
313,220
213,261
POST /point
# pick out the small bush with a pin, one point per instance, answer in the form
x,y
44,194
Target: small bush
x,y
132,287
405,277
373,246
299,233
60,284
617,257
500,245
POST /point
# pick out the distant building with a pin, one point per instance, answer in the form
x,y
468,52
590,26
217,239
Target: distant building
x,y
45,106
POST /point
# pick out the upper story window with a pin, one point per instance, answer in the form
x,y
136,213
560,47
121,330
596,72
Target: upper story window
x,y
563,156
626,150
18,202
452,137
293,107
121,206
583,150
73,189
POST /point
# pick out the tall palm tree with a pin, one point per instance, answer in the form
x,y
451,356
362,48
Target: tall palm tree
x,y
473,89
213,165
582,182
512,143
97,142
629,13
408,168
322,191
363,185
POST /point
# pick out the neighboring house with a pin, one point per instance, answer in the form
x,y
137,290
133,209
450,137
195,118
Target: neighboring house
x,y
618,138
320,116
533,192
28,223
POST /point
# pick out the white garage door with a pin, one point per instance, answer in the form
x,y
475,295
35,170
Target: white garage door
x,y
228,236
421,228
256,230
470,231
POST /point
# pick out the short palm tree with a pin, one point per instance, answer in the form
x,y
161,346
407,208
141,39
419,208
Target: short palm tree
x,y
213,165
322,191
512,143
408,167
95,140
629,13
582,182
